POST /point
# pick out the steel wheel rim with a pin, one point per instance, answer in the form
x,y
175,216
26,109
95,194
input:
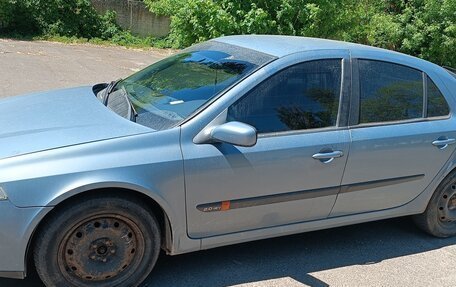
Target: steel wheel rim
x,y
101,249
447,206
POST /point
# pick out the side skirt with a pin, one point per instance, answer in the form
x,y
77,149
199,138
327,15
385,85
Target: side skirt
x,y
12,274
413,207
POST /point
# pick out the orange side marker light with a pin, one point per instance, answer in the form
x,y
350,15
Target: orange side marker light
x,y
225,205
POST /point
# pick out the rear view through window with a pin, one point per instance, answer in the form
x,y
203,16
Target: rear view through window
x,y
393,92
389,92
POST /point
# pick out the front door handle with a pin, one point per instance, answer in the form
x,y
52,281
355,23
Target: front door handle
x,y
327,157
443,143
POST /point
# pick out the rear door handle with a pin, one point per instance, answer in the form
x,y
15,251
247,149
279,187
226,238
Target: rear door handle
x,y
443,143
327,157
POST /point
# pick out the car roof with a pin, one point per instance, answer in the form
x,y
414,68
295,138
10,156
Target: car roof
x,y
280,46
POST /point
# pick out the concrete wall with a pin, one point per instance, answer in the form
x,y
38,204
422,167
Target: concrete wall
x,y
134,16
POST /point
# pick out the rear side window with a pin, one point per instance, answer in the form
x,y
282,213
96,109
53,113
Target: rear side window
x,y
437,105
304,96
389,92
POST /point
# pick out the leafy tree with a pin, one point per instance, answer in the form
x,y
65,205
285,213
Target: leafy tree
x,y
14,16
430,30
424,28
198,20
56,17
393,102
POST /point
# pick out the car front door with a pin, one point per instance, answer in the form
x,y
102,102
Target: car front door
x,y
402,134
293,172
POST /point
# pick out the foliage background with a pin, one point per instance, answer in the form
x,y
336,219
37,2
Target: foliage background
x,y
66,21
56,17
423,28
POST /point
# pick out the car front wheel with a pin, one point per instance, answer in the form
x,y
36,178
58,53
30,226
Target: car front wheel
x,y
98,241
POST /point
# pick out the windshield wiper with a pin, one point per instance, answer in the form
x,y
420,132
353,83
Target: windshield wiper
x,y
134,115
109,89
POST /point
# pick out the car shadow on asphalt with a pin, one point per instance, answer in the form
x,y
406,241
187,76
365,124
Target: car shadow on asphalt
x,y
293,256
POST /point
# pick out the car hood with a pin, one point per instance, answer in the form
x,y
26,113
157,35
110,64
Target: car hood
x,y
54,119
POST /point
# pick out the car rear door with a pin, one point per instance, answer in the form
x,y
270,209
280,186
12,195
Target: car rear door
x,y
402,133
293,173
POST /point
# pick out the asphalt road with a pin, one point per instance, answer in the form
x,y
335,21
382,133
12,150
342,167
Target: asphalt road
x,y
385,253
35,66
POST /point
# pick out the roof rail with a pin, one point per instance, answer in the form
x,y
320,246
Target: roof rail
x,y
450,69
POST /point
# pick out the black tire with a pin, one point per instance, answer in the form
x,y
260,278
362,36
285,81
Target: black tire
x,y
439,219
99,241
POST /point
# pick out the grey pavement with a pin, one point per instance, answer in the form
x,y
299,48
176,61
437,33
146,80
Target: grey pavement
x,y
35,66
384,253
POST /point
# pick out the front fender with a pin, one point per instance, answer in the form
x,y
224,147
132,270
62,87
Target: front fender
x,y
150,164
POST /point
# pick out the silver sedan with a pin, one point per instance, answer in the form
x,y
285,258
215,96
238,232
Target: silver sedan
x,y
231,140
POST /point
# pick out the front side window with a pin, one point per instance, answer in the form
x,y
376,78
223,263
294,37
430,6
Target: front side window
x,y
301,97
389,92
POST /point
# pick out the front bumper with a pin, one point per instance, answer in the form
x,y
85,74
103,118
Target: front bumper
x,y
16,228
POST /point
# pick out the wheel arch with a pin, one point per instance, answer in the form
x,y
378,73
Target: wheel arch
x,y
419,204
156,206
441,180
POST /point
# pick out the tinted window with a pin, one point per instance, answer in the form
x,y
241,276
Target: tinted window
x,y
170,90
389,92
304,96
437,105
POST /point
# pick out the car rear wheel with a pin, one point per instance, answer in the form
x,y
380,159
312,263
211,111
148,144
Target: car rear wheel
x,y
439,219
100,241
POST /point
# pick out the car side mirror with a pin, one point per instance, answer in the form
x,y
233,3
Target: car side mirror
x,y
235,133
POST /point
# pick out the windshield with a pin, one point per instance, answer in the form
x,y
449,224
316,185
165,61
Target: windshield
x,y
169,91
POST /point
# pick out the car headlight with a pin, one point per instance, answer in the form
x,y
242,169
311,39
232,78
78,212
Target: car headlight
x,y
3,195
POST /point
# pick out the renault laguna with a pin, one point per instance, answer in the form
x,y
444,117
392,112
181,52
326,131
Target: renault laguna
x,y
232,140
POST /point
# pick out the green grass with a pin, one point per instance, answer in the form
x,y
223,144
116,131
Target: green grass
x,y
125,39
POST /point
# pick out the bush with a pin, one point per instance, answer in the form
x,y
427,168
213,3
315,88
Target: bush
x,y
15,17
424,28
70,18
430,30
198,20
